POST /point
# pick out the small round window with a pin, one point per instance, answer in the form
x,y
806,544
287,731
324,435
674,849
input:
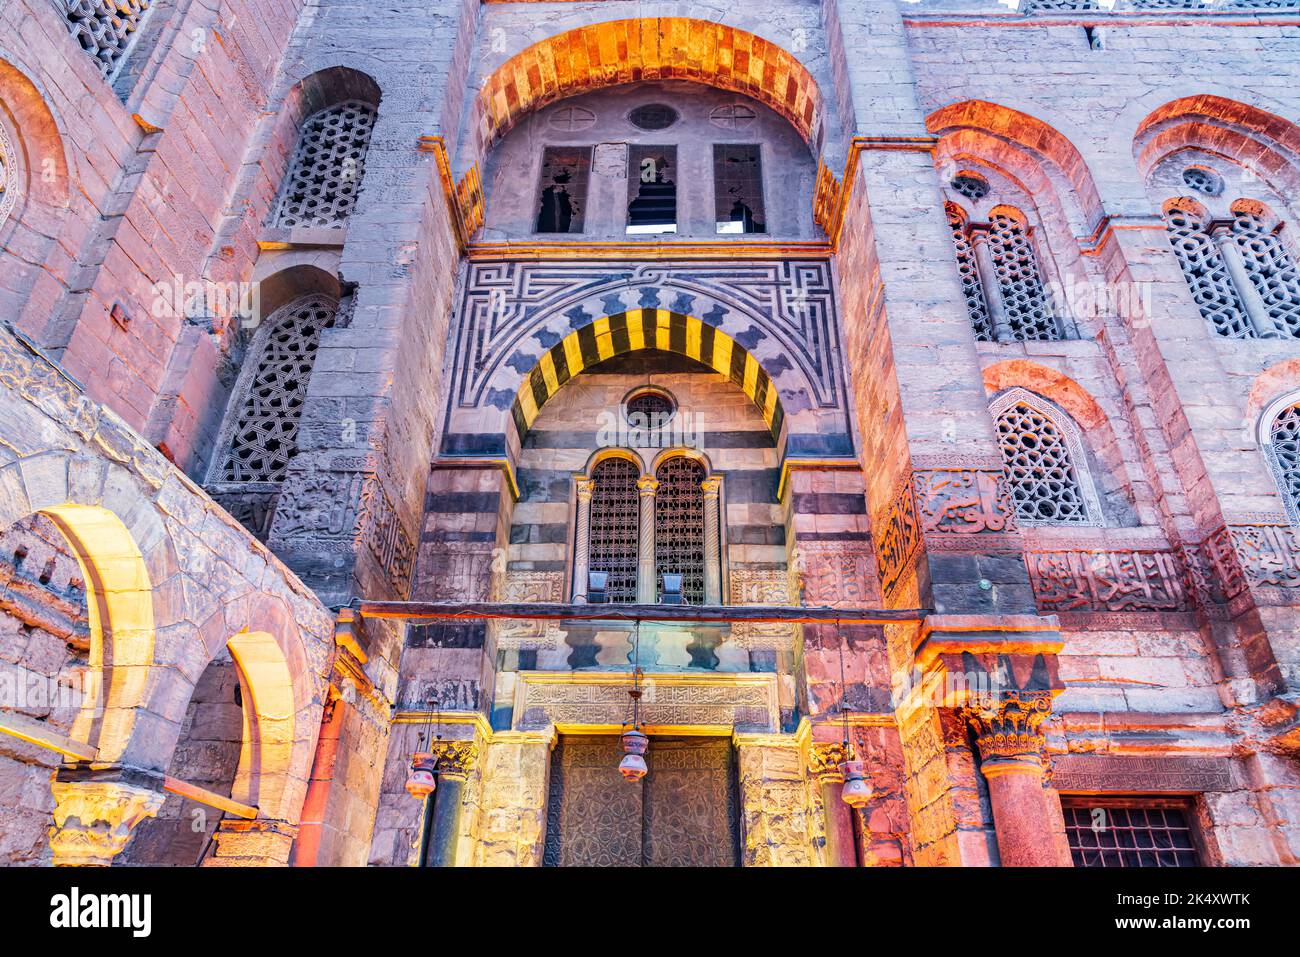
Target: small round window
x,y
1203,180
653,116
970,185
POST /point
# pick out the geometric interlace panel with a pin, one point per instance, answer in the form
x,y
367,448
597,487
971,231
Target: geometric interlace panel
x,y
1043,480
1020,281
970,278
8,176
1285,435
613,539
104,28
679,525
265,433
1271,269
324,178
1205,273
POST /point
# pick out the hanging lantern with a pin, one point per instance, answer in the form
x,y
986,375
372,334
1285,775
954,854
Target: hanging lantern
x,y
856,791
421,780
633,766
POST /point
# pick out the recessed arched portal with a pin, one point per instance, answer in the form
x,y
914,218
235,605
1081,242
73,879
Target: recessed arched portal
x,y
639,329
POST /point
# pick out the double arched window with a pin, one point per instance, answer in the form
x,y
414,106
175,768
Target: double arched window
x,y
1001,274
1238,267
637,527
323,180
1044,461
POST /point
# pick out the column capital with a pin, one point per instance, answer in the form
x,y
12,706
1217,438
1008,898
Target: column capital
x,y
711,485
585,487
824,760
455,758
93,820
263,842
648,485
1008,730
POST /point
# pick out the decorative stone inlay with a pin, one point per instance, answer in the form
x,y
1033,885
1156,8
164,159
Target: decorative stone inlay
x,y
1107,581
600,699
93,820
530,634
761,586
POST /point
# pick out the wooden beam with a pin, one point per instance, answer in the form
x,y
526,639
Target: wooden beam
x,y
210,798
433,610
42,735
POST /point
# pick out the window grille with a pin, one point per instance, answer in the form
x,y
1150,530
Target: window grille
x,y
1140,833
679,525
1019,280
263,437
324,177
104,28
1271,269
1043,477
971,287
1284,452
614,527
562,201
1205,272
738,189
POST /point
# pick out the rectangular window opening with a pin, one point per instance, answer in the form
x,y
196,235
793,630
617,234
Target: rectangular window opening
x,y
1137,831
738,189
651,190
562,196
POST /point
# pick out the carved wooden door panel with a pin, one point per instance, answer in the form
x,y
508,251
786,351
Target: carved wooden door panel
x,y
684,813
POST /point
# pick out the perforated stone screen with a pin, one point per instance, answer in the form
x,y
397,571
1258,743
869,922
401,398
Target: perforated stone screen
x,y
1043,478
104,28
971,287
1271,269
8,176
1020,281
1285,436
263,436
324,177
1206,275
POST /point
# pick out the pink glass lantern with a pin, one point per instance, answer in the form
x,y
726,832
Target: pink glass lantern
x,y
421,781
633,766
856,791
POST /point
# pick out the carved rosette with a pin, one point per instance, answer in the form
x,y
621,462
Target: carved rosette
x,y
93,820
1008,729
454,758
824,760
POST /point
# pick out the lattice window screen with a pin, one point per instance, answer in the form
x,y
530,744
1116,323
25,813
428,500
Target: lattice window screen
x,y
104,28
1043,479
970,277
1020,281
324,177
679,525
264,433
1138,835
614,527
8,176
1206,275
1271,269
1285,441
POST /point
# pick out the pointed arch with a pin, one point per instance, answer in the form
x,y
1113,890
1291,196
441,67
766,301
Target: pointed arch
x,y
633,331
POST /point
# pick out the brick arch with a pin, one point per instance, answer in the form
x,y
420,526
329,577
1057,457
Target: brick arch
x,y
633,331
1247,135
652,48
1025,148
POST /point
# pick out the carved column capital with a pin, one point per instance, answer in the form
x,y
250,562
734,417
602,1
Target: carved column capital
x,y
93,820
824,760
648,486
585,487
711,485
1008,730
455,758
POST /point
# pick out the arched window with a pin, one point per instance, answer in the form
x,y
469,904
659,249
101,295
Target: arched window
x,y
1269,264
1204,269
105,28
614,527
1280,440
679,525
262,427
324,178
1001,276
971,287
8,176
1044,461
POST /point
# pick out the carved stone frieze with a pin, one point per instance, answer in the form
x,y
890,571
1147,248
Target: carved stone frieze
x,y
837,572
898,537
761,586
1107,581
523,634
962,501
1107,772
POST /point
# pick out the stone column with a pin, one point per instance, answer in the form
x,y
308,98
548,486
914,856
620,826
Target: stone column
x,y
455,762
774,802
712,543
1256,311
509,828
824,762
1008,732
646,585
988,273
258,843
93,820
582,540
